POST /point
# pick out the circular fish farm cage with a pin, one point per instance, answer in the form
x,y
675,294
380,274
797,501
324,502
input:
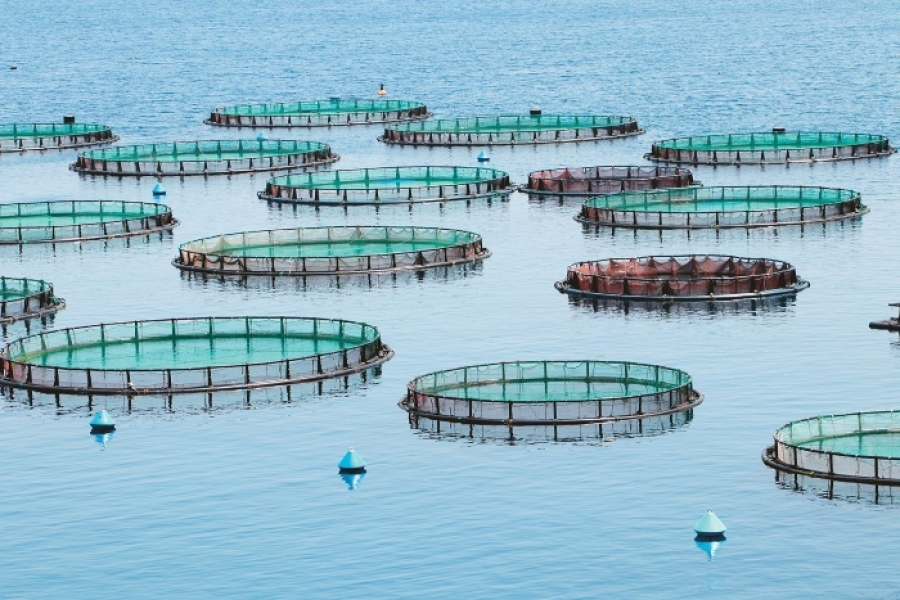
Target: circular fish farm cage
x,y
550,392
318,113
686,278
190,355
777,147
861,447
722,207
26,299
80,220
388,185
20,137
592,181
330,251
508,130
210,157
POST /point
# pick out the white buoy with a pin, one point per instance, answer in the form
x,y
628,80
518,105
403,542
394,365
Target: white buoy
x,y
709,526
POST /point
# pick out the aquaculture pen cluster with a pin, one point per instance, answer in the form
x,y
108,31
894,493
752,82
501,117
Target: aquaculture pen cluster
x,y
572,399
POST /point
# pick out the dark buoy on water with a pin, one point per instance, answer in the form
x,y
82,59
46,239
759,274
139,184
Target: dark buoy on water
x,y
352,463
102,423
709,527
158,190
483,157
778,130
68,119
535,111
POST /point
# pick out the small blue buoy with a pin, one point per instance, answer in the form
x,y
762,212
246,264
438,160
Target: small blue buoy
x,y
709,527
335,99
159,190
352,479
352,463
261,137
482,157
102,422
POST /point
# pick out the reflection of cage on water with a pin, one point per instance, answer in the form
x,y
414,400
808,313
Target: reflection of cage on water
x,y
590,181
209,157
542,392
601,431
388,185
859,447
831,489
722,207
681,278
330,251
507,130
777,147
318,113
684,309
26,299
77,220
19,137
190,355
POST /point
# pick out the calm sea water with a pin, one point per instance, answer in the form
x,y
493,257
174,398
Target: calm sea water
x,y
248,503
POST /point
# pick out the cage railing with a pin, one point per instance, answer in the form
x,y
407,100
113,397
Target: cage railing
x,y
22,298
318,113
583,181
19,137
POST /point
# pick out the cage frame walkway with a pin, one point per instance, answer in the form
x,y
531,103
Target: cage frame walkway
x,y
47,302
61,136
317,114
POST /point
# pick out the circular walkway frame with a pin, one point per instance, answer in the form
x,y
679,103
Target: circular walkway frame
x,y
22,299
510,130
388,185
722,207
20,137
330,251
190,355
859,447
777,147
550,392
80,220
686,278
318,113
211,157
592,181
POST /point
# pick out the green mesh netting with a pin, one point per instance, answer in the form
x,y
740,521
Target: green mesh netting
x,y
722,199
503,124
14,288
388,178
319,107
65,213
869,434
208,150
793,140
37,130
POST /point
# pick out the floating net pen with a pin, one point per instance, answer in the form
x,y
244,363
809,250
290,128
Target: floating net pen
x,y
548,392
27,299
722,207
593,181
685,278
388,185
20,137
861,447
210,157
80,220
190,355
330,251
318,113
507,130
777,147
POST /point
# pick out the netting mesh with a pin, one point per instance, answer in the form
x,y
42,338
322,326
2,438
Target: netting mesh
x,y
510,130
857,446
18,137
686,277
585,181
550,391
712,207
73,220
390,185
25,298
774,147
209,157
189,355
318,113
330,250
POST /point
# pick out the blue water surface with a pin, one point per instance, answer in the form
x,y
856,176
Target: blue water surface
x,y
244,503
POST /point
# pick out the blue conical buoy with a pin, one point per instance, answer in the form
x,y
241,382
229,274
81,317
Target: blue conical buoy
x,y
352,463
482,157
709,526
102,422
709,546
159,190
261,137
352,479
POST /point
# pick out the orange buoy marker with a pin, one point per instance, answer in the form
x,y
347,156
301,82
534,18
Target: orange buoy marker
x,y
381,90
